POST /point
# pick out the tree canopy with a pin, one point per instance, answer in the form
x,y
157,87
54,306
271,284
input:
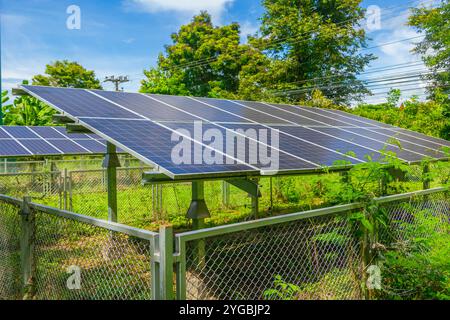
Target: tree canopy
x,y
318,44
434,23
299,42
67,74
203,60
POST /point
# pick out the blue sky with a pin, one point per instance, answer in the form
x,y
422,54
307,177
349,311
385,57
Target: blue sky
x,y
122,37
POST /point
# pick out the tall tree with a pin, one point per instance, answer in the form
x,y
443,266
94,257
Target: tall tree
x,y
316,45
67,74
434,23
203,60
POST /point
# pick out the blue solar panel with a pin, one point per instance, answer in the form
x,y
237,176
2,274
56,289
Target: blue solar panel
x,y
281,114
20,132
152,142
63,132
309,137
149,108
415,137
9,147
366,141
39,147
48,132
78,102
330,142
48,141
92,145
238,109
68,146
286,161
4,135
198,109
387,136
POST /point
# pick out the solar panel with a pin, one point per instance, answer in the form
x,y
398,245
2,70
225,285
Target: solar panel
x,y
20,132
248,113
387,136
147,107
78,103
150,142
144,125
48,132
198,109
39,147
12,147
27,141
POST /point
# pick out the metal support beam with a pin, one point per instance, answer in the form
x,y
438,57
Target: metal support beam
x,y
76,128
251,186
111,163
19,92
61,119
247,185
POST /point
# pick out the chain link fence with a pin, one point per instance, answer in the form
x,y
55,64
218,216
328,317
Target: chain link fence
x,y
49,254
318,254
314,255
148,206
10,275
110,265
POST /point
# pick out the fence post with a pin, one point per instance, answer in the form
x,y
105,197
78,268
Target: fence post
x,y
181,269
426,179
27,238
166,262
111,163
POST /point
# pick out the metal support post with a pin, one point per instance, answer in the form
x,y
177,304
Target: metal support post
x,y
162,265
111,163
27,247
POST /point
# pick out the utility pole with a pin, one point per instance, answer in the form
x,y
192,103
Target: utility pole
x,y
117,81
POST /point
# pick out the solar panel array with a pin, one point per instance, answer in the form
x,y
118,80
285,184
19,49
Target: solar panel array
x,y
309,138
27,141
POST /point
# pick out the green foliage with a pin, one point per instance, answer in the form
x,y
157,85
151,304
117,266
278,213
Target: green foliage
x,y
393,97
313,39
333,285
5,97
419,268
67,74
27,111
433,22
203,60
427,117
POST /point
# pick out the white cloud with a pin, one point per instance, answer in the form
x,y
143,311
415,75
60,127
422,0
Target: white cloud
x,y
396,32
214,7
247,28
